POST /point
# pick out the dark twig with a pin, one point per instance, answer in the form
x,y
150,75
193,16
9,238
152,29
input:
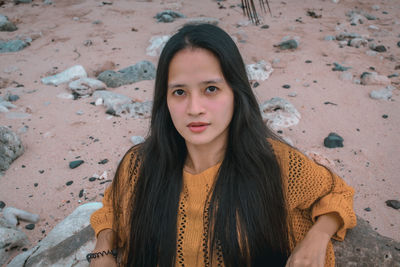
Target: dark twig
x,y
251,12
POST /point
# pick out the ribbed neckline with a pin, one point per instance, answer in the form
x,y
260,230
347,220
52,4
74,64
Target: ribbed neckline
x,y
204,177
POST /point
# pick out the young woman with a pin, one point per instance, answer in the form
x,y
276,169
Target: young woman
x,y
212,185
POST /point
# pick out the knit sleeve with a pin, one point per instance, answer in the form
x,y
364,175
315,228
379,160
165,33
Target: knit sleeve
x,y
313,186
103,217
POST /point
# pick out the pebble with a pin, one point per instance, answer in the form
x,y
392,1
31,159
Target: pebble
x,y
103,161
256,84
65,76
292,94
13,98
385,116
75,163
380,48
333,140
339,67
30,226
12,46
398,43
367,209
265,27
289,44
69,183
2,204
92,179
81,193
168,16
35,184
79,112
393,204
286,86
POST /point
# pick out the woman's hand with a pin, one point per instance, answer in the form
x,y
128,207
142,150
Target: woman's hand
x,y
311,250
104,243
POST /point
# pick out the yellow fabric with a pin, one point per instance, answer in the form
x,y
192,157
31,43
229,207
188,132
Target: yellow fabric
x,y
311,191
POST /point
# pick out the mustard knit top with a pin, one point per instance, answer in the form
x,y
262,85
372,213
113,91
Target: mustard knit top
x,y
311,191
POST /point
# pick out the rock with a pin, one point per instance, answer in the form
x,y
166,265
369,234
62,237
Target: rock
x,y
76,163
365,247
373,28
30,226
396,74
137,140
168,16
5,105
329,38
140,109
333,140
398,43
259,71
69,183
67,75
373,78
2,204
292,94
339,67
356,19
289,44
114,101
143,70
393,204
12,215
368,209
346,35
103,161
13,98
65,96
10,237
157,44
22,1
12,46
201,20
6,25
376,7
380,48
86,86
17,115
47,2
278,112
66,245
286,86
357,42
10,147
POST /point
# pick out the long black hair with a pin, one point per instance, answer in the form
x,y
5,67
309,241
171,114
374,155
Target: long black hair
x,y
246,210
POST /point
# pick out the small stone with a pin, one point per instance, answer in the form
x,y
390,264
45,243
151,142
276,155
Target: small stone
x,y
292,94
308,61
41,171
393,75
286,86
393,204
69,183
13,98
92,179
329,38
35,184
30,226
367,209
256,84
398,43
2,204
265,27
103,161
81,193
385,116
380,48
75,163
289,44
333,140
339,67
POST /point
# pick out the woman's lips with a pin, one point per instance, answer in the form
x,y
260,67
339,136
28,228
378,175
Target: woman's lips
x,y
198,127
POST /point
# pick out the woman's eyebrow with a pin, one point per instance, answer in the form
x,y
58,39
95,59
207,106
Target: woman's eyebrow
x,y
180,85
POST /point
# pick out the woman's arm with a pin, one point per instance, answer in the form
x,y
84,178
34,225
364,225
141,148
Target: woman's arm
x,y
105,241
311,250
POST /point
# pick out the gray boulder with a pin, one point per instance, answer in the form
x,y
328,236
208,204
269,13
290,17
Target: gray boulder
x,y
143,70
12,46
365,247
6,25
10,147
68,75
10,237
278,113
66,245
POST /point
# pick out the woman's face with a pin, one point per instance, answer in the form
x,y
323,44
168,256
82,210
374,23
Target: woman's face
x,y
199,99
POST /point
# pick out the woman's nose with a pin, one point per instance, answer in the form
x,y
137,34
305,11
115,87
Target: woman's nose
x,y
195,105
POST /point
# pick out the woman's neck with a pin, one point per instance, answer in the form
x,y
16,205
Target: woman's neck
x,y
201,158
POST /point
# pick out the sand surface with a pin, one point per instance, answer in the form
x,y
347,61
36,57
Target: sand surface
x,y
56,134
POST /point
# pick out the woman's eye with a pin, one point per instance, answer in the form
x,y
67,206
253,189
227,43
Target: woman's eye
x,y
211,89
179,92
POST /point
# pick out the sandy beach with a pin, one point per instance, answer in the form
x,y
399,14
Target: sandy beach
x,y
111,35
